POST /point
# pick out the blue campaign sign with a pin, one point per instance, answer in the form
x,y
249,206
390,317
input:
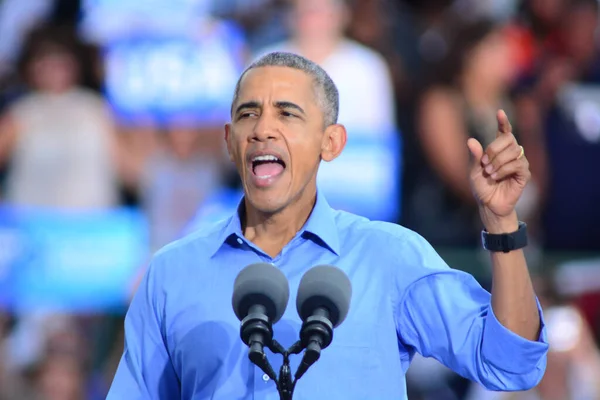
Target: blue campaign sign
x,y
366,179
103,20
75,261
175,78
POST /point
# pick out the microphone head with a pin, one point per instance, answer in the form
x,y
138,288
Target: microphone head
x,y
261,284
324,286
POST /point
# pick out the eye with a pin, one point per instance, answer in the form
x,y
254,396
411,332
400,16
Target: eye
x,y
247,114
287,114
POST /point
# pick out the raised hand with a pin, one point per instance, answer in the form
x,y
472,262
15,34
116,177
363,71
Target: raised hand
x,y
499,174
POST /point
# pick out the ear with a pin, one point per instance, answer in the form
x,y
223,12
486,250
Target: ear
x,y
334,141
228,140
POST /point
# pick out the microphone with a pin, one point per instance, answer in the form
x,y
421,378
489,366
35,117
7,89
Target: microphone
x,y
260,297
323,302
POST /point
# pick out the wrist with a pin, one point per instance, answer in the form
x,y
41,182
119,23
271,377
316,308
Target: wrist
x,y
495,224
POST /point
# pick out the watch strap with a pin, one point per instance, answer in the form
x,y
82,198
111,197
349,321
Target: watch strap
x,y
505,242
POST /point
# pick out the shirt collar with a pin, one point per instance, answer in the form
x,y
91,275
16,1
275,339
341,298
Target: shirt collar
x,y
321,226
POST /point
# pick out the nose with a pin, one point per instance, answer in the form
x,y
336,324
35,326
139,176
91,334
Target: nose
x,y
265,129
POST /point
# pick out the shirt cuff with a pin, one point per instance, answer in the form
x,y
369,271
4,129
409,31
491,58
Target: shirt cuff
x,y
510,352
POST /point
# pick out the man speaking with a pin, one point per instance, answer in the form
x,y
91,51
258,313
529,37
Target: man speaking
x,y
182,338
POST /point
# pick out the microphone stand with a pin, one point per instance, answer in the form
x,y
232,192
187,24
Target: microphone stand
x,y
285,384
316,334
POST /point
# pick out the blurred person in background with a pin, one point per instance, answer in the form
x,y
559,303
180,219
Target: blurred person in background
x,y
186,160
176,178
573,368
58,140
61,373
318,33
263,21
59,369
407,33
62,153
17,17
534,31
4,378
467,87
59,377
559,110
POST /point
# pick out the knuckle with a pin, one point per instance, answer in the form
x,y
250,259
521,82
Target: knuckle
x,y
504,157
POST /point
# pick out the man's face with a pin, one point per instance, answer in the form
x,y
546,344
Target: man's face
x,y
277,136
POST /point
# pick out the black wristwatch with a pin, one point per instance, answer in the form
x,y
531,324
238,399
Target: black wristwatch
x,y
505,242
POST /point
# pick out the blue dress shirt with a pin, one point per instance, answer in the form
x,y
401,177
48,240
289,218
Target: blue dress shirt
x,y
182,337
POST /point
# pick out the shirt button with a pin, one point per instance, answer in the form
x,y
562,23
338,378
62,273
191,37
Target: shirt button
x,y
240,241
266,378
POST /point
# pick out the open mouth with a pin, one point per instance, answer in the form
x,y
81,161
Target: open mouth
x,y
267,166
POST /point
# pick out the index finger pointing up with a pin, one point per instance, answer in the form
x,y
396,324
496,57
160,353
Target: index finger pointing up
x,y
503,123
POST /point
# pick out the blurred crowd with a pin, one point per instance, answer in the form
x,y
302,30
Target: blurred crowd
x,y
425,74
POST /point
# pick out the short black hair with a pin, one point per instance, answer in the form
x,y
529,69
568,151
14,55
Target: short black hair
x,y
326,90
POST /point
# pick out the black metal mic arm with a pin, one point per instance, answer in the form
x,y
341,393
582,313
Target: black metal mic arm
x,y
285,385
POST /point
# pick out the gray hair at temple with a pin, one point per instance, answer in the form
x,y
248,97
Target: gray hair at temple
x,y
325,90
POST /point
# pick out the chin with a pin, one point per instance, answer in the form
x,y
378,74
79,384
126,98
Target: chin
x,y
267,201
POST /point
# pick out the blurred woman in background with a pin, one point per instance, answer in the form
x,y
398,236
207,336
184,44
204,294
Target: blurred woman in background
x,y
471,84
318,32
559,110
62,153
59,139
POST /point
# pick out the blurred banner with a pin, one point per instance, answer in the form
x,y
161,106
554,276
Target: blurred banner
x,y
366,178
166,63
173,80
69,261
102,21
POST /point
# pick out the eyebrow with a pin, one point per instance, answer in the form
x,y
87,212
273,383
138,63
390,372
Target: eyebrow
x,y
278,104
248,104
289,104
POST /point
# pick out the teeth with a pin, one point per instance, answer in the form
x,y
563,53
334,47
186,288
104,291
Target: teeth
x,y
267,157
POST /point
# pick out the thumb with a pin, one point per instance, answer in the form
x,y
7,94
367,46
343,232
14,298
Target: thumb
x,y
476,150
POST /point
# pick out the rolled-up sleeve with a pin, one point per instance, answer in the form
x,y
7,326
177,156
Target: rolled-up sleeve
x,y
145,370
444,313
447,315
500,346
